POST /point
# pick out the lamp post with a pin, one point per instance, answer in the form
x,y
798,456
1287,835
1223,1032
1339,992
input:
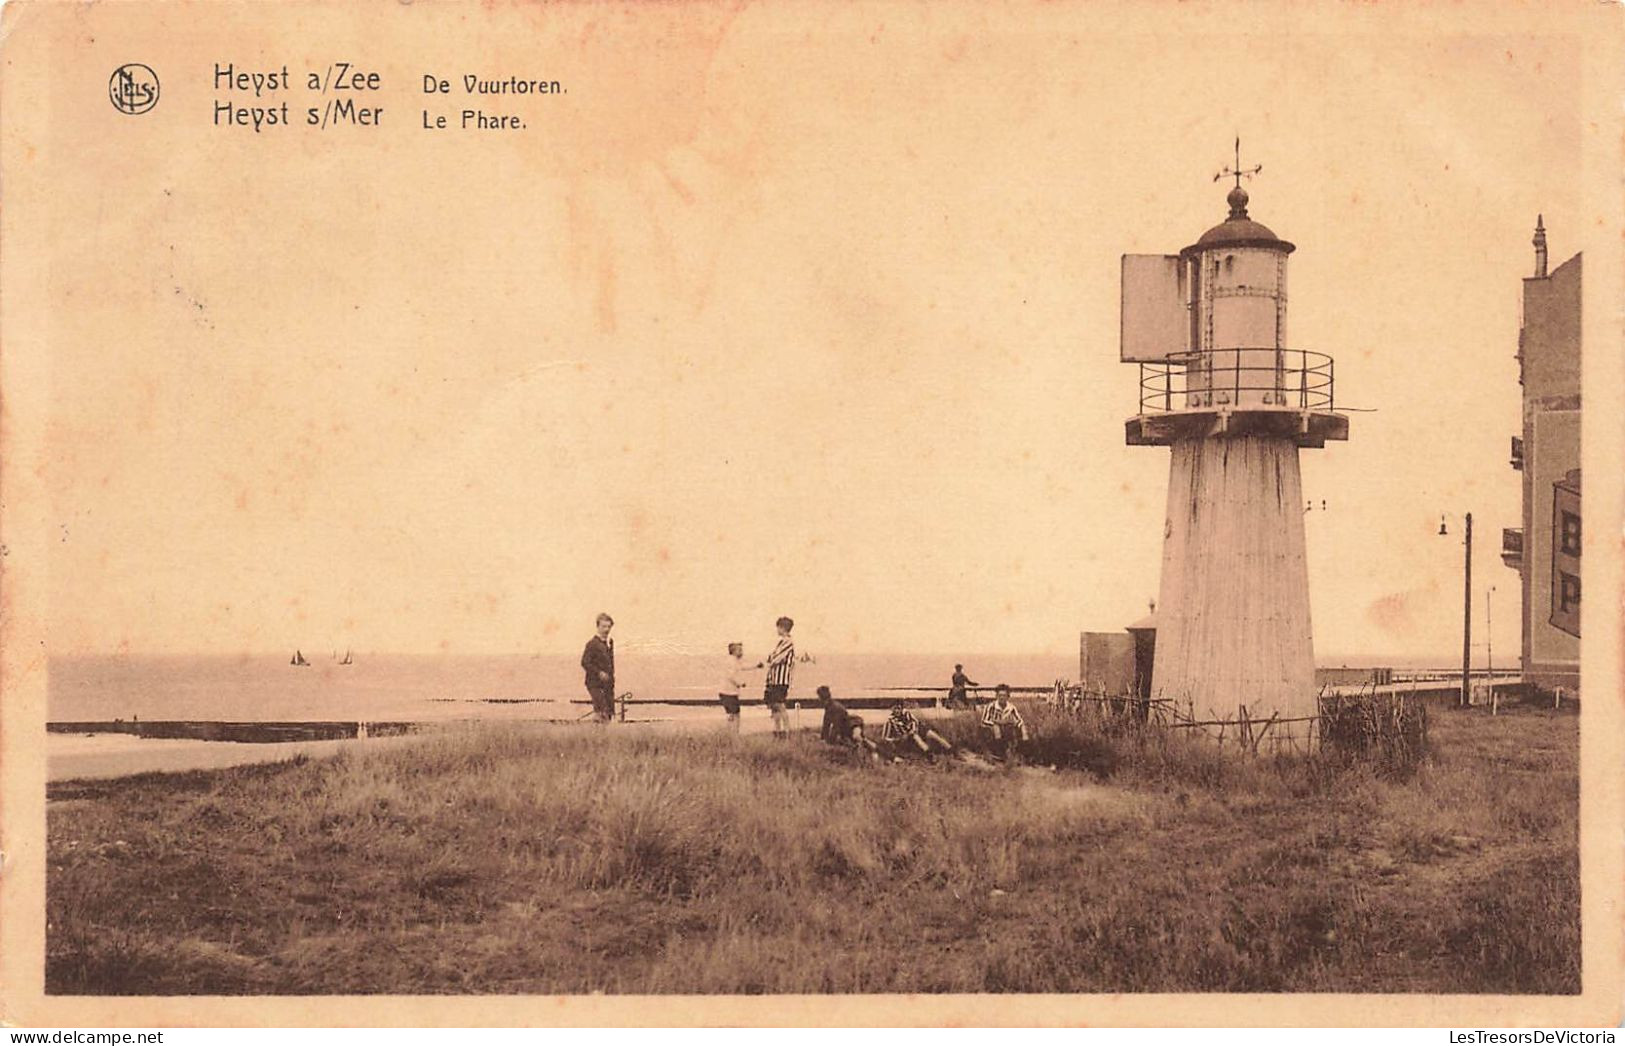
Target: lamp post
x,y
1466,612
1467,617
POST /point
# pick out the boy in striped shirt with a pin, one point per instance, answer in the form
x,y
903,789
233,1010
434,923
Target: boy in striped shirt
x,y
904,732
780,664
1003,723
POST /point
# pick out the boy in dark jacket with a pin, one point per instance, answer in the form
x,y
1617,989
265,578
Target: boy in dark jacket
x,y
958,696
598,662
840,726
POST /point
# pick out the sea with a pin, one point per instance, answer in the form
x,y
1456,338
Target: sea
x,y
428,688
448,689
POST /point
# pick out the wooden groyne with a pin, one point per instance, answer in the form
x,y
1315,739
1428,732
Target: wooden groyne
x,y
1430,687
870,697
244,733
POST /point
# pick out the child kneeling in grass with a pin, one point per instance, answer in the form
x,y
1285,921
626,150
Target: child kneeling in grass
x,y
904,732
840,726
1003,724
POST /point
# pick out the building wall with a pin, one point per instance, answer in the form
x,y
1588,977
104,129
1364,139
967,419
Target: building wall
x,y
1549,356
1555,439
1106,662
1566,551
1550,339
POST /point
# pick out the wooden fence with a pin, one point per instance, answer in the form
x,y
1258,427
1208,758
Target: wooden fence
x,y
1385,727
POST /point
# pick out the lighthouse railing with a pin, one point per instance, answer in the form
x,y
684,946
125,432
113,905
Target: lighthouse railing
x,y
1243,377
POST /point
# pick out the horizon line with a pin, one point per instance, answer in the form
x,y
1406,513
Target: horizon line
x,y
1444,657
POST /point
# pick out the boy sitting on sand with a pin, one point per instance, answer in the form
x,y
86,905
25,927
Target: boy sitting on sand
x,y
1003,723
904,732
840,726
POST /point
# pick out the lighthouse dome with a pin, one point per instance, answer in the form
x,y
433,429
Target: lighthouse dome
x,y
1238,230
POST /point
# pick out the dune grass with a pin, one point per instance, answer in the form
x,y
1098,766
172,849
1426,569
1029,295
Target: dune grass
x,y
515,860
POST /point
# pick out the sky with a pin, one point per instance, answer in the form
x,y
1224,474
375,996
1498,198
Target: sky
x,y
786,309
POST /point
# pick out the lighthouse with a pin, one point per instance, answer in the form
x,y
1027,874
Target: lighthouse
x,y
1234,401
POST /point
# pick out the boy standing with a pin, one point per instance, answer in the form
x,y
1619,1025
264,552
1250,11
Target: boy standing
x,y
957,697
598,662
733,681
780,664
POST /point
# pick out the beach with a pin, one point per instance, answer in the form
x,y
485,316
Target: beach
x,y
422,688
432,692
107,755
70,757
438,693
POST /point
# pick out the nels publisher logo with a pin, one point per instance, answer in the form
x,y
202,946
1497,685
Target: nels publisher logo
x,y
133,88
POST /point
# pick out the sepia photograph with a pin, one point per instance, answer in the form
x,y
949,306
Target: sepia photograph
x,y
795,514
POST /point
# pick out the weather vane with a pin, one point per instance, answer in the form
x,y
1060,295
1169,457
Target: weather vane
x,y
1236,172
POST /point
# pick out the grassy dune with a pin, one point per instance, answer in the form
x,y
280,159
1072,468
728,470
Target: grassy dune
x,y
547,861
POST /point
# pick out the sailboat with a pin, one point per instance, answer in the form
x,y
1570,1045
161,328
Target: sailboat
x,y
348,660
299,659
